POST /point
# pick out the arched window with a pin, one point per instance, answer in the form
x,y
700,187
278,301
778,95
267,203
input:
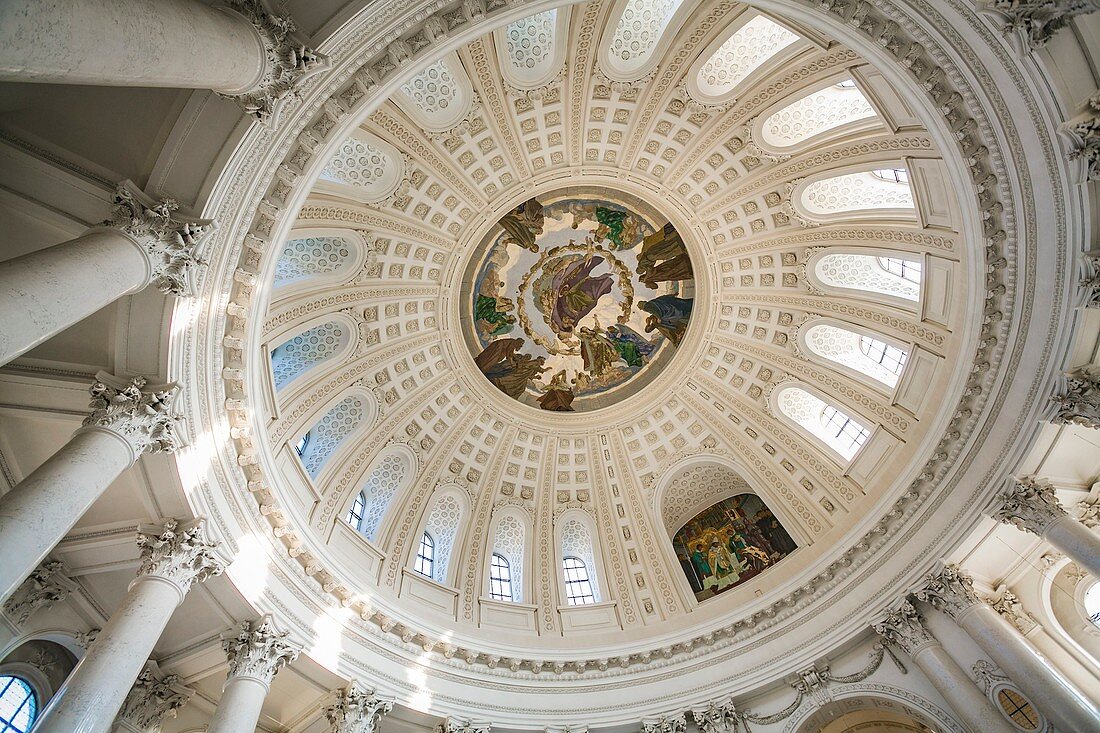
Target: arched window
x,y
815,114
862,191
508,544
378,491
297,355
749,48
307,257
865,354
330,432
18,706
425,556
894,175
300,446
578,586
1092,604
358,509
442,525
500,579
892,276
638,31
825,422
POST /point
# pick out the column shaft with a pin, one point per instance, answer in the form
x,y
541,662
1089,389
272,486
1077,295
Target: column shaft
x,y
1055,696
1077,541
975,710
43,507
42,293
169,43
239,708
91,697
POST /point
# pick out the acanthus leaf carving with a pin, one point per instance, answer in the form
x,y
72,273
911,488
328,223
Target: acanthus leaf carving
x,y
356,710
259,650
1008,605
141,414
45,586
716,717
1040,19
151,700
1030,505
179,552
905,627
1079,402
950,590
665,724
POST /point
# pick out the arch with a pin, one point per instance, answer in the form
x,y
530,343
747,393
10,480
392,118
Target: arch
x,y
827,111
632,45
854,193
531,50
876,696
315,257
42,661
391,471
444,523
575,532
324,340
363,168
350,413
863,273
509,535
833,426
752,45
867,355
20,702
1065,604
437,97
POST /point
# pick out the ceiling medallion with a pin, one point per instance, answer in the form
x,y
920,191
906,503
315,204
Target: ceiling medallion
x,y
578,301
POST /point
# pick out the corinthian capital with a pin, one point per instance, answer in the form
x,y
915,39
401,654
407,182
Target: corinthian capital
x,y
151,700
1029,504
45,586
286,61
139,413
168,239
1040,19
356,710
905,627
716,717
950,590
1079,402
259,650
179,552
670,724
456,725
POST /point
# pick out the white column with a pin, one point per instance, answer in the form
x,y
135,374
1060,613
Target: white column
x,y
173,557
128,418
1031,505
952,591
44,292
239,51
152,699
355,710
906,628
256,653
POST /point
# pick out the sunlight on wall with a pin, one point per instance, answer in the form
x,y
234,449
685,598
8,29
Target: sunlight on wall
x,y
328,639
249,571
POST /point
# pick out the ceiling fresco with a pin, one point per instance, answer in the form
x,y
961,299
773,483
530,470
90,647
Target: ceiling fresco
x,y
579,301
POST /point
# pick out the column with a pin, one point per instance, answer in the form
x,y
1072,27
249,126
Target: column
x,y
144,242
952,591
1031,505
240,51
356,710
255,655
128,418
152,699
174,556
905,628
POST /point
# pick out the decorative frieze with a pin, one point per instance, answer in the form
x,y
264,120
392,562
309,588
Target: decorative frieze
x,y
905,627
356,710
286,64
1079,401
1040,19
179,552
167,238
950,590
44,587
141,414
259,650
151,700
1030,505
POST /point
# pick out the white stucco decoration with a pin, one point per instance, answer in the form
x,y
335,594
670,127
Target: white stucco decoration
x,y
531,50
808,411
815,114
363,168
861,191
437,97
298,354
331,430
746,50
863,272
307,257
842,346
576,541
638,31
442,525
509,542
378,491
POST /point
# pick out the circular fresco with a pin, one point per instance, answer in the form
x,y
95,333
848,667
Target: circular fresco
x,y
578,301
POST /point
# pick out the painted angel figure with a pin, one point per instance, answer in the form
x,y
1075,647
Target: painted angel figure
x,y
573,292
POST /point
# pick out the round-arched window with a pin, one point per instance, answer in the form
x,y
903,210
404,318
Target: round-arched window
x,y
18,706
1092,604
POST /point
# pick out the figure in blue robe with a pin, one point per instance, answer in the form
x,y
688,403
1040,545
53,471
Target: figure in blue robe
x,y
669,315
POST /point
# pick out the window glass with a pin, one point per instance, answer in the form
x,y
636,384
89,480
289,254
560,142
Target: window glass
x,y
843,429
1018,709
500,579
905,269
18,707
883,353
578,587
355,514
425,556
300,446
897,175
1092,603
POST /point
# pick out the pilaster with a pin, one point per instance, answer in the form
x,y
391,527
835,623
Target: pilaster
x,y
152,699
45,586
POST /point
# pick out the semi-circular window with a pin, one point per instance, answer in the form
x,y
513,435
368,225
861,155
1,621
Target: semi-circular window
x,y
18,705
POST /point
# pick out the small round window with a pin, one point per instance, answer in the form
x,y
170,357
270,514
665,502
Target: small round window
x,y
1018,709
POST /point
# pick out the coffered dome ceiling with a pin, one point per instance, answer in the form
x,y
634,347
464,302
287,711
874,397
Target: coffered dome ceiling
x,y
559,290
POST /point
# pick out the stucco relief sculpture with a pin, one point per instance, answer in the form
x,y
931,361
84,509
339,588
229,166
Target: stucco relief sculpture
x,y
356,710
259,650
140,413
1079,402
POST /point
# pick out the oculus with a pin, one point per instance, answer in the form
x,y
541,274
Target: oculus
x,y
729,542
578,300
